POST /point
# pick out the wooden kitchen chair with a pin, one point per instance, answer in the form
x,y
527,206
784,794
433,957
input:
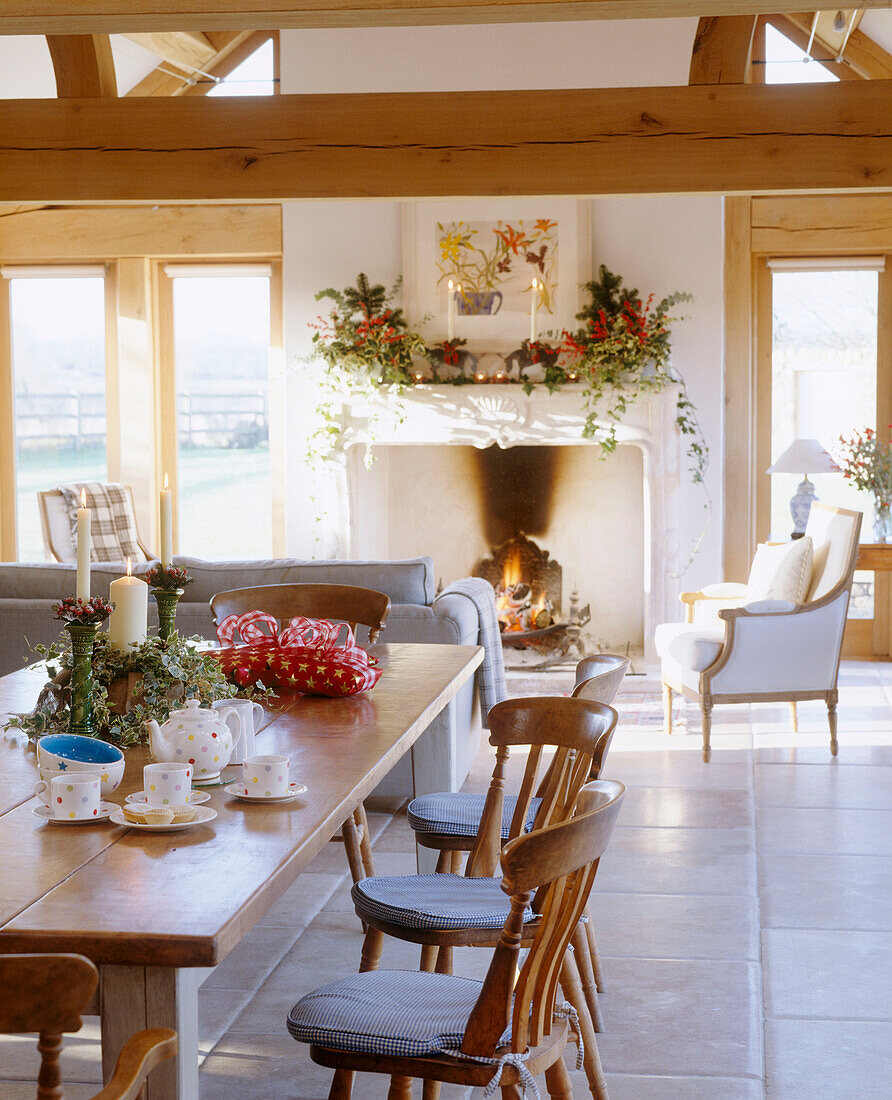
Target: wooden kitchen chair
x,y
345,603
444,911
372,1022
48,994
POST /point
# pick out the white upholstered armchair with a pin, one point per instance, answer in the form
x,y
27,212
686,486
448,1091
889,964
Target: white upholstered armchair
x,y
735,650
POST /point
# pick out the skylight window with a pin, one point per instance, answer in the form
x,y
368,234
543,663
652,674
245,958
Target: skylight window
x,y
785,63
255,75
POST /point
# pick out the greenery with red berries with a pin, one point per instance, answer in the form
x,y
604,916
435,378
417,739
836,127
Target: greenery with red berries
x,y
90,612
168,578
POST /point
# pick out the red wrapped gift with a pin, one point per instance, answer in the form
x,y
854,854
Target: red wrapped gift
x,y
307,656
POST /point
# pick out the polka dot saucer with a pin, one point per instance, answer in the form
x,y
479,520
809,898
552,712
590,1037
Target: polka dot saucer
x,y
196,798
46,814
240,791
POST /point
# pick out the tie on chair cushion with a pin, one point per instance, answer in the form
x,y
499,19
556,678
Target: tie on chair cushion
x,y
459,813
689,645
397,1012
434,903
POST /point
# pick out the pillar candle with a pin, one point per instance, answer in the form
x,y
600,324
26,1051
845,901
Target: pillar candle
x,y
84,519
166,526
128,624
450,312
534,303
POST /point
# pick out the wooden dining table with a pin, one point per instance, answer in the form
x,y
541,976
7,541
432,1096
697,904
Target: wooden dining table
x,y
157,911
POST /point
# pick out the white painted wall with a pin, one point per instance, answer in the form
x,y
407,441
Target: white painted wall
x,y
658,243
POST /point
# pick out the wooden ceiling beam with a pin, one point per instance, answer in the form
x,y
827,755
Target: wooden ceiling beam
x,y
721,138
191,49
126,16
83,65
723,49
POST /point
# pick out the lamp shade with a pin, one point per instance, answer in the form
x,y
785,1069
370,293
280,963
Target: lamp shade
x,y
804,456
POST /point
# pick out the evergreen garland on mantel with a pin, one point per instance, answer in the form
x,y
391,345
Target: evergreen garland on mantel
x,y
620,351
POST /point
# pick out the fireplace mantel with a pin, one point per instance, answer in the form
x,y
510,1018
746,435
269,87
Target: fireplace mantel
x,y
482,415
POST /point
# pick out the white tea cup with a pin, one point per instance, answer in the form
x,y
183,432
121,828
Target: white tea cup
x,y
72,797
250,714
267,776
167,784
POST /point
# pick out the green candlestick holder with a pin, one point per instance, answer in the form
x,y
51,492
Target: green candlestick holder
x,y
167,599
80,715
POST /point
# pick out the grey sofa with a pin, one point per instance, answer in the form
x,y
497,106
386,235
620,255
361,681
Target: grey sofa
x,y
417,614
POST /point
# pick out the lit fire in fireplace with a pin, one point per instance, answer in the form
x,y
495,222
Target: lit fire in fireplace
x,y
519,606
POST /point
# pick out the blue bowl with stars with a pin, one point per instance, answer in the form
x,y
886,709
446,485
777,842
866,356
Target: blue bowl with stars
x,y
59,753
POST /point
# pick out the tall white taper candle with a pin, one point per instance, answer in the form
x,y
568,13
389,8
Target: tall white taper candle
x,y
84,519
534,304
128,623
166,526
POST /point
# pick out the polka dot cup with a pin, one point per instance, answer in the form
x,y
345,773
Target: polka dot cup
x,y
75,797
266,776
167,784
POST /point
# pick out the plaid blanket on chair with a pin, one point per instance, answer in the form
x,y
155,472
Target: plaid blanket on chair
x,y
113,528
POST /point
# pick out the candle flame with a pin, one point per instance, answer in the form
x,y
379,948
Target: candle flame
x,y
129,569
166,486
535,284
458,288
450,284
83,498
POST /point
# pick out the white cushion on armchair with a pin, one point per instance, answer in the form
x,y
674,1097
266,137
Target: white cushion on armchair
x,y
688,644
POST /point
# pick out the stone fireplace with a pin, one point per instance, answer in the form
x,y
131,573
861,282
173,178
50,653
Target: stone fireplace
x,y
445,483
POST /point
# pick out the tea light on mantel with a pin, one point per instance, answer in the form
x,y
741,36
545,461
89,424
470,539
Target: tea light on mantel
x,y
84,520
128,624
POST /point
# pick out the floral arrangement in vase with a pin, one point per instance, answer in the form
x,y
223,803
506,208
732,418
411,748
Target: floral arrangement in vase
x,y
866,461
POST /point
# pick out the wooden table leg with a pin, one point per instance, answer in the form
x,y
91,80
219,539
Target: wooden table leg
x,y
136,997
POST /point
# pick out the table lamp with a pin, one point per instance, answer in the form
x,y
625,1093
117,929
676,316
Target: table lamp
x,y
803,456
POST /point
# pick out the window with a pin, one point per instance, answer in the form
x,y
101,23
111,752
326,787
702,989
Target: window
x,y
58,362
255,75
823,384
785,63
221,346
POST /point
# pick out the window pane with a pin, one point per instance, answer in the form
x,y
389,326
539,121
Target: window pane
x,y
824,369
58,359
222,363
785,63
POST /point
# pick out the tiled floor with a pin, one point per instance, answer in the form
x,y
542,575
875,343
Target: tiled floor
x,y
744,912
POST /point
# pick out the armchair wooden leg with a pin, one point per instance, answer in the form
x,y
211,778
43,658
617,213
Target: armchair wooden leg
x,y
400,1088
667,708
350,836
794,717
430,1090
572,990
831,718
444,862
587,977
706,709
430,952
594,954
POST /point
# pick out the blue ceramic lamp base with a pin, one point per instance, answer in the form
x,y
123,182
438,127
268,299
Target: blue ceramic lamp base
x,y
800,506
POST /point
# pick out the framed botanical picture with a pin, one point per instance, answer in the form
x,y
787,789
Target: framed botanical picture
x,y
515,264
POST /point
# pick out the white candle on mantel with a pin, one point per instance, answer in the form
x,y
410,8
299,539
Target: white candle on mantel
x,y
166,526
84,519
450,312
129,621
534,303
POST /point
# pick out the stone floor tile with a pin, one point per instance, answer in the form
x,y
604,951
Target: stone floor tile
x,y
824,831
840,786
687,926
829,974
303,899
826,891
844,1059
779,750
80,1062
680,768
256,956
681,1017
218,1010
670,807
678,861
632,1087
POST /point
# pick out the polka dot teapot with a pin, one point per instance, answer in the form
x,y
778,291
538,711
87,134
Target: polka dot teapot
x,y
197,735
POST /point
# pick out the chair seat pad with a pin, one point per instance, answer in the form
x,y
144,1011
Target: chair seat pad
x,y
434,903
458,813
689,645
396,1012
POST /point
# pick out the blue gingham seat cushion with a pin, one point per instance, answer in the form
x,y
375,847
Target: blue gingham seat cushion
x,y
397,1012
434,903
458,813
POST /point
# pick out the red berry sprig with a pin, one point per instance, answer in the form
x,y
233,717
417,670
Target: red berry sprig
x,y
89,612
